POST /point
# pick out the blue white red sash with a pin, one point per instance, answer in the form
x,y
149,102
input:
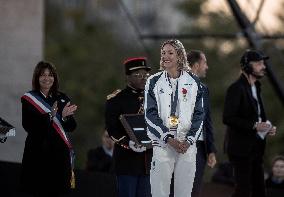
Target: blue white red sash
x,y
43,108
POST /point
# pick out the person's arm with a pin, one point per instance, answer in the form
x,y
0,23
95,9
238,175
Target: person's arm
x,y
68,122
208,128
153,121
197,117
113,124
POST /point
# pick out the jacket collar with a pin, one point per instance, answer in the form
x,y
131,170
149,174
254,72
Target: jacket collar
x,y
245,81
134,90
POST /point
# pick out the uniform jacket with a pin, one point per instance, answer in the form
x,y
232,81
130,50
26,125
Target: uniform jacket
x,y
240,115
207,123
126,161
158,107
46,164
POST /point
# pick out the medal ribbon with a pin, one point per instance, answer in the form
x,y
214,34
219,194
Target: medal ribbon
x,y
174,98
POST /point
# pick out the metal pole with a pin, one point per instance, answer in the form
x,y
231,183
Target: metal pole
x,y
254,41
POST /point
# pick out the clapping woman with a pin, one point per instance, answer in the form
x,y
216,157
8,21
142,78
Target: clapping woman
x,y
47,117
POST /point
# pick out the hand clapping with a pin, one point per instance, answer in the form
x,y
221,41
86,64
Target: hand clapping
x,y
68,110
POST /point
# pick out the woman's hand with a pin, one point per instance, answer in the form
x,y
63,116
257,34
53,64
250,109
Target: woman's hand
x,y
184,146
175,144
68,110
54,109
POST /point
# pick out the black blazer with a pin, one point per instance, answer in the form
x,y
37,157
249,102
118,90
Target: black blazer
x,y
99,161
207,123
240,115
46,162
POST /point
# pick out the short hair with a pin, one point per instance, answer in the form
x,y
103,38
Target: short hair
x,y
38,71
277,158
181,54
193,56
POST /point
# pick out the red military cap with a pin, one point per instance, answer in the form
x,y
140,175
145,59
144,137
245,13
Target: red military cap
x,y
135,63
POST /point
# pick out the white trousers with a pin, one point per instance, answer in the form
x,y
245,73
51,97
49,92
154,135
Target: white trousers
x,y
165,161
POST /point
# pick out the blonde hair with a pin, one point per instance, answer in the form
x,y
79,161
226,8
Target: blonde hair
x,y
181,54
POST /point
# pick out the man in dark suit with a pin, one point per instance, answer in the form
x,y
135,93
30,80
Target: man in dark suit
x,y
131,161
247,127
205,143
100,158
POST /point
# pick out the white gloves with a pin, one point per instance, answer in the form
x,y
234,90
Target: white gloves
x,y
136,148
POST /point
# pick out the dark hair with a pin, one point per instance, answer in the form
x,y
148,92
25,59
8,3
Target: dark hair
x,y
39,69
193,56
277,158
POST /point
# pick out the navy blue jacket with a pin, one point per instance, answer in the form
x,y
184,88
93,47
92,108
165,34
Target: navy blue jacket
x,y
207,123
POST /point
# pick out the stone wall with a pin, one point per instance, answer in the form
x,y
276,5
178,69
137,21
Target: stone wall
x,y
21,38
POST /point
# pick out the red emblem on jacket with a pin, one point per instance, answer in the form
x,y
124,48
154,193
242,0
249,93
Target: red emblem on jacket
x,y
184,91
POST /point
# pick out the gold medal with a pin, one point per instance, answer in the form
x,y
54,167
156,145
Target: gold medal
x,y
173,121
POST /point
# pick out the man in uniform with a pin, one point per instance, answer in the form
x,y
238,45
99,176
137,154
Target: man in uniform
x,y
131,161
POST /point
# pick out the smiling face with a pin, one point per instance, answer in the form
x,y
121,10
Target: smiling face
x,y
46,80
169,58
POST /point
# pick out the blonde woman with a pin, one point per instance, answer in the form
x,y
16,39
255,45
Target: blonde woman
x,y
174,114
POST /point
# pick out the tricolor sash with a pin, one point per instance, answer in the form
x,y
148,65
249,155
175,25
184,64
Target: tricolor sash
x,y
43,107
